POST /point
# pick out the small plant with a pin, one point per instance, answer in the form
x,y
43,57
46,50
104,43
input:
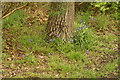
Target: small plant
x,y
83,39
31,43
84,17
80,41
29,59
3,56
109,67
61,46
89,74
76,56
102,22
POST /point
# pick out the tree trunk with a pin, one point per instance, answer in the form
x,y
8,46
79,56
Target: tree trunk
x,y
61,20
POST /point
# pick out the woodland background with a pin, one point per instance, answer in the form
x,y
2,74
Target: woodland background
x,y
91,53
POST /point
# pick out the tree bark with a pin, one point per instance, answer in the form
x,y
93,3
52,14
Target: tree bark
x,y
61,20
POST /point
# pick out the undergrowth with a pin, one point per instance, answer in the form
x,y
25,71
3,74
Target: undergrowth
x,y
16,19
69,58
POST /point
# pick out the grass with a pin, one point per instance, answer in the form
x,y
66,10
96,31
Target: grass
x,y
86,58
108,68
72,68
14,19
75,56
108,38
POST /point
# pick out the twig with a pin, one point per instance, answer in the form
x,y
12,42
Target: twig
x,y
80,3
13,11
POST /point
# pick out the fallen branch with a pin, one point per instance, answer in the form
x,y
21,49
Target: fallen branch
x,y
80,3
13,11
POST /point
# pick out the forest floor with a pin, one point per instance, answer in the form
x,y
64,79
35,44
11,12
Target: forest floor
x,y
24,54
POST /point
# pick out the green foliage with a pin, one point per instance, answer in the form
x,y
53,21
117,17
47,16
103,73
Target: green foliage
x,y
109,38
4,56
115,15
89,74
108,68
31,42
74,63
29,58
83,36
65,47
83,18
15,19
112,38
102,22
47,50
58,64
83,39
61,45
104,6
76,56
